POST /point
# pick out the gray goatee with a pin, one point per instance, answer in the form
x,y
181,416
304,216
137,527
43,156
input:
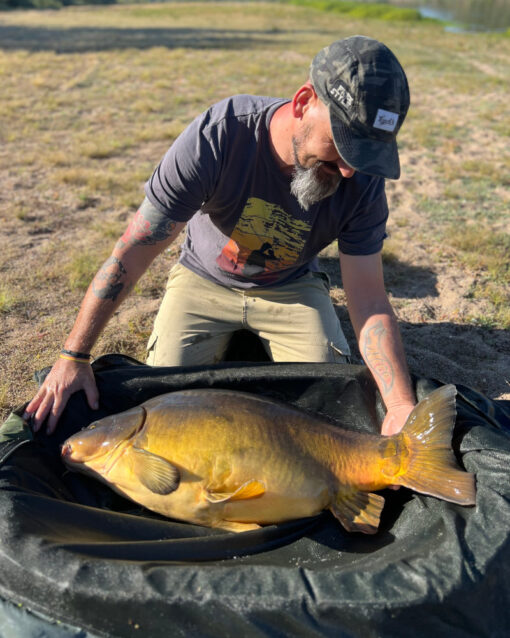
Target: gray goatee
x,y
309,184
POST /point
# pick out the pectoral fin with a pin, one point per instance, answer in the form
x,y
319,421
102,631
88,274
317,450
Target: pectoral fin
x,y
154,472
250,489
358,511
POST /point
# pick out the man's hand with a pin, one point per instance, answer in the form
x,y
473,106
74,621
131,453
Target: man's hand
x,y
65,378
395,419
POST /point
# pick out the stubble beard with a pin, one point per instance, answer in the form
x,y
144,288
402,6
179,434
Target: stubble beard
x,y
310,185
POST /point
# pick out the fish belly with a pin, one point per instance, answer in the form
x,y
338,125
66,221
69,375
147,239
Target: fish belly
x,y
280,502
273,508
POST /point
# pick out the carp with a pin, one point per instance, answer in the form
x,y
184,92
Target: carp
x,y
236,461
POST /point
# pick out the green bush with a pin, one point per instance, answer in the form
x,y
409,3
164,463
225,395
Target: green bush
x,y
6,5
361,10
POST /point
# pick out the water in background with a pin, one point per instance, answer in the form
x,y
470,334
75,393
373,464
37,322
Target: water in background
x,y
466,15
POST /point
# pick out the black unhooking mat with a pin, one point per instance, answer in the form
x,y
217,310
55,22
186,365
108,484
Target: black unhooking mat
x,y
72,552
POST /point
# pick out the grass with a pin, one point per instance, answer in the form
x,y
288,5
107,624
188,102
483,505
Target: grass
x,y
8,299
487,254
91,112
363,10
81,270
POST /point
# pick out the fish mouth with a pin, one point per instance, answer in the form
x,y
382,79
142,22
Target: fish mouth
x,y
65,451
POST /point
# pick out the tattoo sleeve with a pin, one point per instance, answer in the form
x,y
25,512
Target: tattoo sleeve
x,y
107,284
376,359
148,226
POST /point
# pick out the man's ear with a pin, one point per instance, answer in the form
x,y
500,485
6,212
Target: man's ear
x,y
303,99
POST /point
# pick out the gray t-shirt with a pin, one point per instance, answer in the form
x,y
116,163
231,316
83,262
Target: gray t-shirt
x,y
245,227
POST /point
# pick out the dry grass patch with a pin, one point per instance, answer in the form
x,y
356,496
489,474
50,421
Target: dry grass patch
x,y
97,94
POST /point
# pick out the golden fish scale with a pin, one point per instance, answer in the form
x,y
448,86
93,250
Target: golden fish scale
x,y
219,445
233,460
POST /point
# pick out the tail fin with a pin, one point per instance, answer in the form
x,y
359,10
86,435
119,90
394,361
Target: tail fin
x,y
432,467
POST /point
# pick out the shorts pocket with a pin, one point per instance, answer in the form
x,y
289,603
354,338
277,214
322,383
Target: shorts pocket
x,y
151,348
341,354
324,277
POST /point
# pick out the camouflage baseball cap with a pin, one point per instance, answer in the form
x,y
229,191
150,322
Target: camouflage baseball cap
x,y
365,88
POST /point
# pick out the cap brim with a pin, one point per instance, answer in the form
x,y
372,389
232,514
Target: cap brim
x,y
366,155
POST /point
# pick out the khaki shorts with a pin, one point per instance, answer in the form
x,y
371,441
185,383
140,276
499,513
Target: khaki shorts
x,y
196,319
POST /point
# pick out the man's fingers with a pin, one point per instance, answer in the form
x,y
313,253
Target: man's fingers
x,y
42,411
54,415
65,379
51,407
33,405
92,394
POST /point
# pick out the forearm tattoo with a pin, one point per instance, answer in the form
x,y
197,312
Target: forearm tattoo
x,y
148,226
107,283
375,357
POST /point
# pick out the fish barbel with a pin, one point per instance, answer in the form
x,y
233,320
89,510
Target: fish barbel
x,y
236,461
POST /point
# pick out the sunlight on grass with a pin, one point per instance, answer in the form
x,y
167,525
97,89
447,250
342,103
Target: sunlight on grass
x,y
4,394
362,11
484,249
8,299
81,270
486,252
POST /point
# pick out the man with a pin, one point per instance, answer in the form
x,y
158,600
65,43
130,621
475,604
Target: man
x,y
263,185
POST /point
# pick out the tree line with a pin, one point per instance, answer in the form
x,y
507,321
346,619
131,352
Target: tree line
x,y
47,4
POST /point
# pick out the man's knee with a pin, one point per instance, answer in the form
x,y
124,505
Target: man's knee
x,y
196,349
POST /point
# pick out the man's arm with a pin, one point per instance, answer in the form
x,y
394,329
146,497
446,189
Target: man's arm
x,y
148,233
378,335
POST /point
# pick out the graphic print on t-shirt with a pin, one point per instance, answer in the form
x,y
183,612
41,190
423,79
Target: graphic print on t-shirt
x,y
265,239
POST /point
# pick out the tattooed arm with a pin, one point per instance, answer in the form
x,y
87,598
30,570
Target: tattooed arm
x,y
148,233
378,335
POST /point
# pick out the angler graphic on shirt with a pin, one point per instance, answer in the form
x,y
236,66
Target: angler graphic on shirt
x,y
265,239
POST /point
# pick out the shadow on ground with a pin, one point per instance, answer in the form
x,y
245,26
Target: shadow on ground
x,y
86,39
444,350
402,280
461,354
452,353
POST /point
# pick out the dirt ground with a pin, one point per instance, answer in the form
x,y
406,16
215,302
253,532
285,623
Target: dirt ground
x,y
429,294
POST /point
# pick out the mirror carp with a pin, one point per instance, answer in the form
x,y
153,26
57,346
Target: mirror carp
x,y
236,461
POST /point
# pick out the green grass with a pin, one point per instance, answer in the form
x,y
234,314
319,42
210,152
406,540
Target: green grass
x,y
362,11
8,299
81,270
484,249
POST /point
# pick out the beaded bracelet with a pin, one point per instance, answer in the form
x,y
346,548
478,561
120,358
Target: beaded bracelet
x,y
70,355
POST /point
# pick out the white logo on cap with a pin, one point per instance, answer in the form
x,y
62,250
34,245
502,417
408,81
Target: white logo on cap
x,y
386,120
342,96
